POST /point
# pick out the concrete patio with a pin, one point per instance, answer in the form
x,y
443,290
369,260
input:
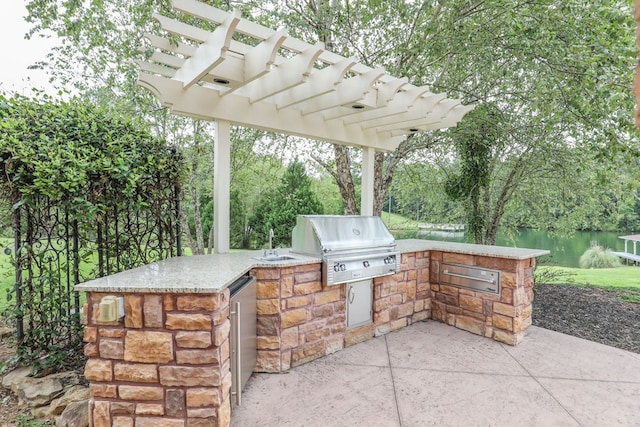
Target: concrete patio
x,y
431,374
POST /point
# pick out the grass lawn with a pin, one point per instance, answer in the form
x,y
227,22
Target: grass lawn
x,y
398,222
626,279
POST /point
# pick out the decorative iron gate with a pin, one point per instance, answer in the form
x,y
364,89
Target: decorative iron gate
x,y
55,249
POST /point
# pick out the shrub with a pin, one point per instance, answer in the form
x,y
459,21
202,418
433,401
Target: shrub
x,y
598,257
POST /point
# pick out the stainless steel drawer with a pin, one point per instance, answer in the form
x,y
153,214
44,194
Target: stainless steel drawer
x,y
470,277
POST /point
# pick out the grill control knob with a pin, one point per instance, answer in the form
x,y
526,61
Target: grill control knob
x,y
365,263
336,267
388,260
343,267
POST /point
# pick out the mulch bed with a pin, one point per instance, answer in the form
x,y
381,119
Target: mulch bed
x,y
590,313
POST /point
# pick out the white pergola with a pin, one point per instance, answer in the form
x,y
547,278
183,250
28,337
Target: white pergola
x,y
246,74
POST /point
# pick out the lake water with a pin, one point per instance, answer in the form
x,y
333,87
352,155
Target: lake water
x,y
565,251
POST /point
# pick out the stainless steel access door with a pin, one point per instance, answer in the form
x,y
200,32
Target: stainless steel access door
x,y
359,303
243,317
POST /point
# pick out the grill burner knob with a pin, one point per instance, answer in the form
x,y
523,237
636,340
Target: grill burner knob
x,y
388,260
336,267
343,267
365,263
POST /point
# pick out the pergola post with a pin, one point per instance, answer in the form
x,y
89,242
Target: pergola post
x,y
366,189
222,179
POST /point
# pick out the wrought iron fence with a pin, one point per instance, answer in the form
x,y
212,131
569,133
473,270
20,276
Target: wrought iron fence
x,y
55,249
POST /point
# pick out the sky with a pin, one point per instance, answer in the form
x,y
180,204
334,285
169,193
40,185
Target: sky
x,y
18,53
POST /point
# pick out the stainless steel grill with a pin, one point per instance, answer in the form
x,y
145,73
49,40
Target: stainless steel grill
x,y
352,247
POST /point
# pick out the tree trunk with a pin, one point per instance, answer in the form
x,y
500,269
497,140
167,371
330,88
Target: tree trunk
x,y
213,185
193,190
195,203
185,228
344,178
210,243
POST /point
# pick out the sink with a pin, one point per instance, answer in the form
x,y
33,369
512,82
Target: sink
x,y
272,258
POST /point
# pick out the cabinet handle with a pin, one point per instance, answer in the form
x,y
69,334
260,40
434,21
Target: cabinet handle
x,y
352,295
238,369
464,276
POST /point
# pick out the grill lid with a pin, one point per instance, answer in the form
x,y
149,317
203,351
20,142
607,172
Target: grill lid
x,y
327,234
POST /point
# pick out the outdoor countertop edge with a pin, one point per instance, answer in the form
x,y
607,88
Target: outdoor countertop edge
x,y
214,273
416,245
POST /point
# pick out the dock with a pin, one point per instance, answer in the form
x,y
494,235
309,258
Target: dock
x,y
442,227
629,256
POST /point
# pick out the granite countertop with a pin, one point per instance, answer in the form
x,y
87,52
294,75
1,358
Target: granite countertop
x,y
415,245
213,273
189,274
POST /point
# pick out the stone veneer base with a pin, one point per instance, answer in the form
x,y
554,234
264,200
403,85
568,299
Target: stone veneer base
x,y
166,363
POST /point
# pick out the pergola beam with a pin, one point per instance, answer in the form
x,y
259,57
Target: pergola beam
x,y
286,76
266,79
204,102
428,111
210,53
352,91
399,105
258,60
319,83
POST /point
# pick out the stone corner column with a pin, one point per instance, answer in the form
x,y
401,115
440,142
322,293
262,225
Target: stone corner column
x,y
165,364
521,308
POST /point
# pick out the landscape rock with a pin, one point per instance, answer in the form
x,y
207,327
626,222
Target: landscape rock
x,y
6,331
35,392
76,414
14,377
76,393
68,378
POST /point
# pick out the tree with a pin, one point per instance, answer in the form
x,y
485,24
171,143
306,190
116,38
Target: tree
x,y
563,68
559,71
476,140
279,210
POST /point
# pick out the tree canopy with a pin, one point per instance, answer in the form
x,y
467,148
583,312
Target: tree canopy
x,y
557,75
74,152
279,210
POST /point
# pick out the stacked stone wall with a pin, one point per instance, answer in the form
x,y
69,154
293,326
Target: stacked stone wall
x,y
502,317
403,298
299,319
166,364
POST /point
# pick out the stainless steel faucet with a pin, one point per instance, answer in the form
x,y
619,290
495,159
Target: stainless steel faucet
x,y
271,234
271,250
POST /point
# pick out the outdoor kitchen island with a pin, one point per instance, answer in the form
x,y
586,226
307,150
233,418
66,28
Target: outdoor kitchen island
x,y
166,362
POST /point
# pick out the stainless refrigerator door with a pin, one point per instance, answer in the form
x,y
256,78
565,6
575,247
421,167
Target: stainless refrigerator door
x,y
243,355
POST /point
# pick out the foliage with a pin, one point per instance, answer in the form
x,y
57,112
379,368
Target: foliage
x,y
397,222
631,297
258,176
624,280
73,168
74,152
558,71
27,420
477,140
544,275
279,210
599,257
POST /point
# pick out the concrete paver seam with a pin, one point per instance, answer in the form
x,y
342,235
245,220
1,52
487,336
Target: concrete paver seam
x,y
504,347
393,382
456,371
589,380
